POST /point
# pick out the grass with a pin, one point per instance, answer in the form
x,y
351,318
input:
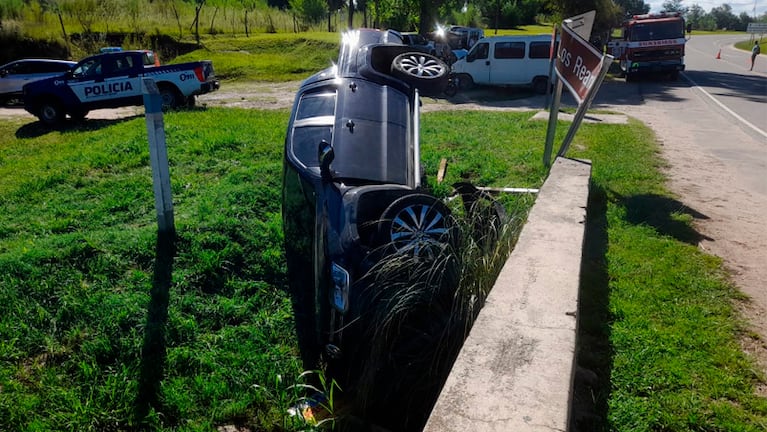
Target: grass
x,y
660,328
268,57
749,44
101,330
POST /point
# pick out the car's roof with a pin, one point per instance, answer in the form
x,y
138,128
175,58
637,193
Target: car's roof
x,y
40,60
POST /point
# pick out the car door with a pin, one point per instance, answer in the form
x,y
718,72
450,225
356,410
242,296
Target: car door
x,y
13,77
104,81
478,63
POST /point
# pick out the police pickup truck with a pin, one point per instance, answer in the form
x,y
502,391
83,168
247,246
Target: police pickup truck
x,y
113,79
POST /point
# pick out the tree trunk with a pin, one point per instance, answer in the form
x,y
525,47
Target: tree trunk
x,y
246,23
215,11
351,14
64,31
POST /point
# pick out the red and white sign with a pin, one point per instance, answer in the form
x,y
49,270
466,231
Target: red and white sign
x,y
578,63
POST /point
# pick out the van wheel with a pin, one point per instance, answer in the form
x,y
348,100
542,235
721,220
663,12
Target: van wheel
x,y
540,85
465,82
50,113
423,71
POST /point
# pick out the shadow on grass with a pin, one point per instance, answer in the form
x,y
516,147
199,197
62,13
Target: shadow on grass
x,y
153,353
38,129
665,214
594,357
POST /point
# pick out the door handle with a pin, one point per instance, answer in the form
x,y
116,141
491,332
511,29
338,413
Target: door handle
x,y
487,62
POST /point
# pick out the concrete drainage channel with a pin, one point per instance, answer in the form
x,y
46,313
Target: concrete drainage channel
x,y
515,370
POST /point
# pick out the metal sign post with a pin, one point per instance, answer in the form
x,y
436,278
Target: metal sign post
x,y
158,156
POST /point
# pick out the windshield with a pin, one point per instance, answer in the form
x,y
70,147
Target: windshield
x,y
657,30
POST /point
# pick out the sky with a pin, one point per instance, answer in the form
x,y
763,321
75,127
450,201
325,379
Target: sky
x,y
738,6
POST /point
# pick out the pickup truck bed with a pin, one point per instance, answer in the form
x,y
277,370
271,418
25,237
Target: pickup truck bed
x,y
111,80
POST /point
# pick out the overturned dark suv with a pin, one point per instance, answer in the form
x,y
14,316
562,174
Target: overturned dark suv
x,y
353,199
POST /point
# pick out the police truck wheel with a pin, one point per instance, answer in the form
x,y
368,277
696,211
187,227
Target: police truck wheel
x,y
50,113
169,97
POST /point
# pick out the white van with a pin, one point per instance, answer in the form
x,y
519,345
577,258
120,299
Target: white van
x,y
506,61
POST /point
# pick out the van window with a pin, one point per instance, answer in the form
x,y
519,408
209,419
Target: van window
x,y
510,50
479,52
539,50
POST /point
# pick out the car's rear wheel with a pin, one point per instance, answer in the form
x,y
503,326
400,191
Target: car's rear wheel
x,y
423,71
50,112
170,97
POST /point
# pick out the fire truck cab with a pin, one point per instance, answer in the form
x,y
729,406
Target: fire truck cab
x,y
651,43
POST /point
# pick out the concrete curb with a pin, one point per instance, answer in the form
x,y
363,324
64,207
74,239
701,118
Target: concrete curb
x,y
515,370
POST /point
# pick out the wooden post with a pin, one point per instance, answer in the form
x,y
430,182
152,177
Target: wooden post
x,y
158,156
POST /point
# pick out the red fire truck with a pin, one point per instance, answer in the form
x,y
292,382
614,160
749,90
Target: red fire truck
x,y
651,43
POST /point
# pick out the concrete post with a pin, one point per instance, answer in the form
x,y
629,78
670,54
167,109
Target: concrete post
x,y
158,156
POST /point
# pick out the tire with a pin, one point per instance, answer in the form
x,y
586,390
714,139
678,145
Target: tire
x,y
540,85
170,97
418,224
451,89
423,71
50,113
78,115
465,82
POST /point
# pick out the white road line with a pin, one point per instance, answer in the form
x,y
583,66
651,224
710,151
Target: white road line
x,y
721,105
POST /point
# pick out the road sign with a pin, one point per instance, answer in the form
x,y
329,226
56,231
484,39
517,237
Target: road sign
x,y
757,28
581,68
578,63
582,23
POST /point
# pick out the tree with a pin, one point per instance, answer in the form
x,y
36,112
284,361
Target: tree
x,y
694,16
674,6
723,17
608,13
198,4
633,7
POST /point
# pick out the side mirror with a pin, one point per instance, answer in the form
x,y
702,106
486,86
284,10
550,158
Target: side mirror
x,y
3,73
325,155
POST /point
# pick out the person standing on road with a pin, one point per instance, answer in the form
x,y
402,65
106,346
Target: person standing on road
x,y
755,52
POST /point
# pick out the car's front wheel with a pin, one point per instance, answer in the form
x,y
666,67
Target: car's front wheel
x,y
50,112
423,71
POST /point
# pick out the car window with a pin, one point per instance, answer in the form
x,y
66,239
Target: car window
x,y
313,123
306,141
539,50
509,50
480,52
316,105
89,69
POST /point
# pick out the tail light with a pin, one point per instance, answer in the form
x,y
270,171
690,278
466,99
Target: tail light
x,y
198,72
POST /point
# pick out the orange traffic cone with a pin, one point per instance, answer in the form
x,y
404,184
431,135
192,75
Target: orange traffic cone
x,y
719,54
